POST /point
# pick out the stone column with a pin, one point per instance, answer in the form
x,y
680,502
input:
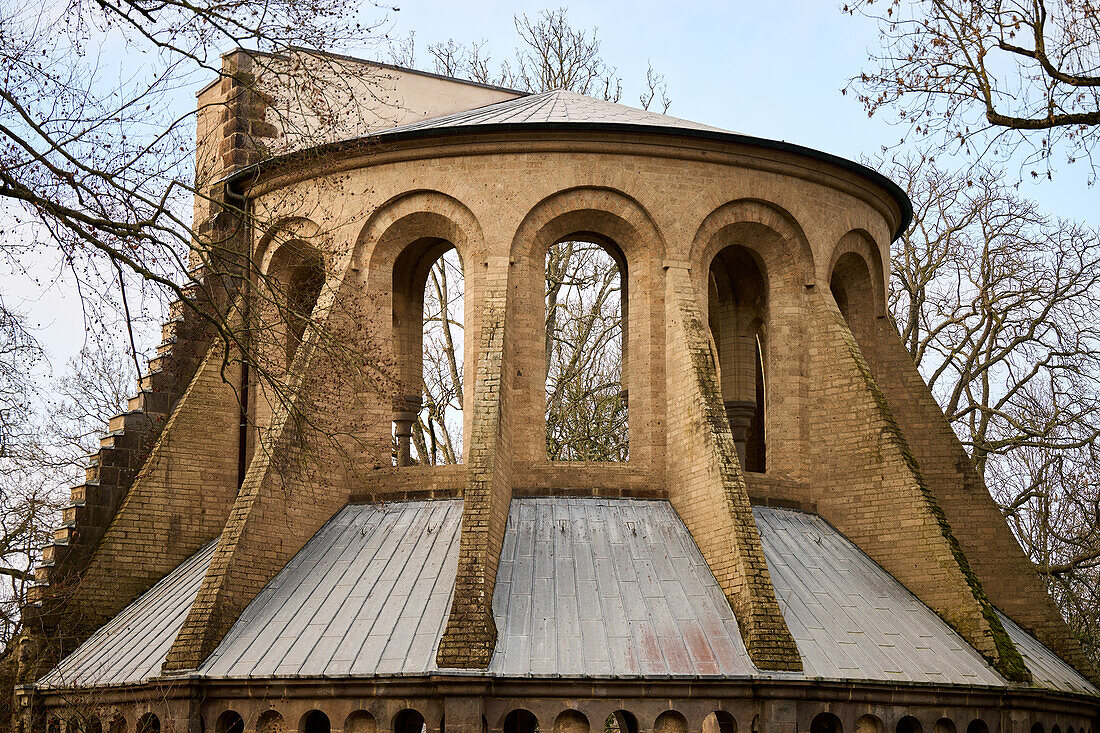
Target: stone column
x,y
740,414
405,410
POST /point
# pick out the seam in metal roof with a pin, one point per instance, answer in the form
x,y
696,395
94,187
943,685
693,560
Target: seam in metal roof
x,y
131,648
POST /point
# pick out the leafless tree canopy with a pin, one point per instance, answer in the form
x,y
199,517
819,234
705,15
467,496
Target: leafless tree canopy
x,y
990,75
997,304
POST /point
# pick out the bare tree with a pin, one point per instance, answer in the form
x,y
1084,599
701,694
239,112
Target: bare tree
x,y
997,304
990,75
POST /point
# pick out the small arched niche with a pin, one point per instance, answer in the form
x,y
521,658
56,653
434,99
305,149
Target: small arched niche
x,y
978,726
571,721
670,721
909,724
148,723
270,721
314,721
738,317
719,722
409,721
117,724
294,279
521,721
229,722
621,721
854,293
428,309
360,721
826,723
586,350
944,725
870,724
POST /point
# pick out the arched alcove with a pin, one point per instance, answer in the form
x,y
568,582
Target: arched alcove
x,y
909,724
738,316
360,721
428,319
148,723
117,724
944,725
852,289
826,723
270,721
586,356
293,282
670,721
314,721
1038,728
870,724
409,721
520,721
719,721
621,721
571,721
979,726
229,722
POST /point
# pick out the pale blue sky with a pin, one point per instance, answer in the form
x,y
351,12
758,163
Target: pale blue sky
x,y
770,69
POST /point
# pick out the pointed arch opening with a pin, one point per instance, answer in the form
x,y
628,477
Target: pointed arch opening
x,y
586,355
738,317
295,277
853,291
428,308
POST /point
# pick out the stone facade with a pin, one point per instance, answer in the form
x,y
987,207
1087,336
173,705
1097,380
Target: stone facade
x,y
849,430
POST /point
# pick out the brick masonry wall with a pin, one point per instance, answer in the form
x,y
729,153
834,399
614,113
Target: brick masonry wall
x,y
1007,575
706,486
876,496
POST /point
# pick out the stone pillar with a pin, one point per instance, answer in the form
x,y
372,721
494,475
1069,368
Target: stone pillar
x,y
405,410
740,414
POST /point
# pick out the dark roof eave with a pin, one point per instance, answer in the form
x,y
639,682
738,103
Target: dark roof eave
x,y
895,191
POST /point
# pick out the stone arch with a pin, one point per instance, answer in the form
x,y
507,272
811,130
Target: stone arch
x,y
719,721
314,721
670,721
859,242
360,721
270,721
909,724
409,720
758,339
870,724
117,724
571,721
390,265
148,723
623,228
621,721
520,720
230,721
1038,727
977,725
826,723
944,725
851,284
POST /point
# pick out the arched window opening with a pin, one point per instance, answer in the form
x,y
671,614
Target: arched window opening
x,y
586,354
409,721
428,306
621,721
148,723
978,726
1038,728
295,278
909,724
738,314
118,724
670,721
314,722
521,721
1055,729
719,722
944,725
571,721
360,721
852,290
229,722
825,723
270,721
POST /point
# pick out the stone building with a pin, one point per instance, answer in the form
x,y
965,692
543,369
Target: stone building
x,y
798,543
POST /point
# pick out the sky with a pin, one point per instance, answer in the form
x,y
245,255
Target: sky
x,y
768,69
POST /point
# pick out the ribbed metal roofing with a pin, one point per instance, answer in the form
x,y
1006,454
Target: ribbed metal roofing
x,y
585,588
850,618
368,595
131,647
609,588
558,106
1047,668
